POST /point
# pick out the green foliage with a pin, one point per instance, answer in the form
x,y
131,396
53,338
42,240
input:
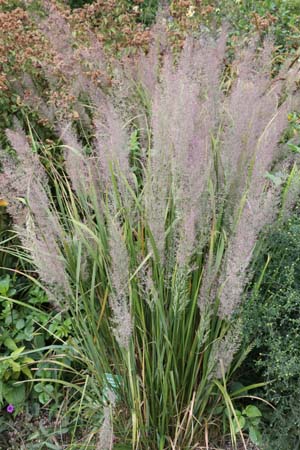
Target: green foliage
x,y
45,392
148,7
8,108
79,3
285,27
35,372
272,319
149,10
249,420
25,326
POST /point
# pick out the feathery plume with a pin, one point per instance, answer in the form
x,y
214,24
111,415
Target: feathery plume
x,y
111,143
37,225
76,162
105,436
119,275
257,213
157,180
227,349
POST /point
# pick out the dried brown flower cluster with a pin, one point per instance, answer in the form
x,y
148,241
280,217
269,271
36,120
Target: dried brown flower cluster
x,y
21,45
114,24
262,23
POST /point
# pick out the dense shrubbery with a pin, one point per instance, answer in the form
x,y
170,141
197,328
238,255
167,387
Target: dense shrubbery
x,y
272,319
279,17
31,335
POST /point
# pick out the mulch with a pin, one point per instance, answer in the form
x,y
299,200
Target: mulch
x,y
228,446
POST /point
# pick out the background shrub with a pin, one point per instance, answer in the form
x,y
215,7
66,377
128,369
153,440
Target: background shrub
x,y
277,16
272,320
33,337
79,3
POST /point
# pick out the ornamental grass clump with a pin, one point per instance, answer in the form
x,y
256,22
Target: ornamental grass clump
x,y
145,233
